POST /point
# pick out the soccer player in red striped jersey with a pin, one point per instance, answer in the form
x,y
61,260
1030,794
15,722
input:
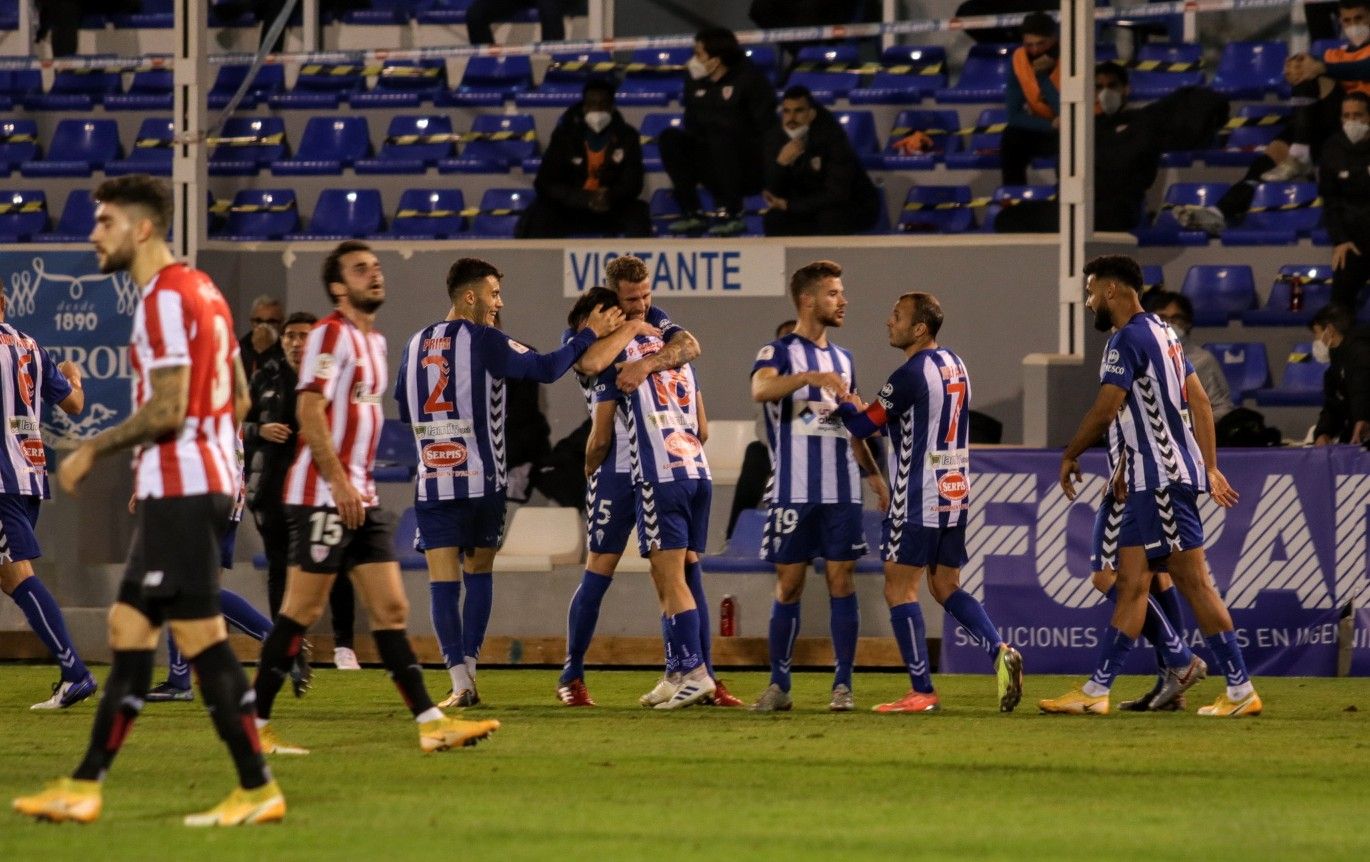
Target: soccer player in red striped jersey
x,y
189,395
336,523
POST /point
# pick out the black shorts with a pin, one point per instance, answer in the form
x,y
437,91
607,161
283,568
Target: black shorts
x,y
319,542
173,559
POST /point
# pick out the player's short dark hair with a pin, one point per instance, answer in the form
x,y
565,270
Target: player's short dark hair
x,y
1116,70
1339,317
926,310
299,317
147,193
1354,4
807,277
467,271
589,302
1118,267
722,43
1158,299
1358,96
600,84
1038,24
332,265
625,268
799,91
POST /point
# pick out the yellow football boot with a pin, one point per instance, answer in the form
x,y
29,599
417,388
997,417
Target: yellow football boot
x,y
263,804
443,733
273,744
63,799
1226,707
1075,702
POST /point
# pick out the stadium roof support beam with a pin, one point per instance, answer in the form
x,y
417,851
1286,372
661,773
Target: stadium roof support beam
x,y
1076,171
189,176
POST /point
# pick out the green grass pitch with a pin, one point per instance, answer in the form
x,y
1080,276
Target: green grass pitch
x,y
620,782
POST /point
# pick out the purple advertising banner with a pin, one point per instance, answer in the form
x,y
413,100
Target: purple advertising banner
x,y
1360,643
1285,558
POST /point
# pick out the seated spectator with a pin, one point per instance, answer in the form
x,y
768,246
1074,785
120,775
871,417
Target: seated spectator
x,y
1337,340
1344,184
591,174
1033,99
729,107
815,184
481,14
1176,310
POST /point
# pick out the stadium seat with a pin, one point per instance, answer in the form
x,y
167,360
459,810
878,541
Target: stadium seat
x,y
1280,213
651,88
268,80
78,148
76,90
1241,144
404,84
22,215
1219,292
381,13
328,145
1147,84
509,139
983,77
150,90
151,15
151,152
258,214
1007,196
444,12
429,214
344,214
765,59
1244,365
938,125
882,222
1153,278
488,81
664,207
937,209
18,85
743,551
1250,70
540,538
499,212
406,536
320,87
925,75
1316,280
1166,230
562,84
981,148
728,439
405,151
18,144
397,459
246,145
77,219
9,14
652,127
1300,383
826,86
860,129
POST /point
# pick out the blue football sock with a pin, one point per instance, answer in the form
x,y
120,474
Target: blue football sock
x,y
667,636
444,607
45,618
973,618
911,635
784,629
1169,603
1116,646
844,621
475,611
178,669
240,614
1171,650
685,639
1229,656
694,579
581,619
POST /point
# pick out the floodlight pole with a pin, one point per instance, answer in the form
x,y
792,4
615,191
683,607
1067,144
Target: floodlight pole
x,y
1076,167
189,111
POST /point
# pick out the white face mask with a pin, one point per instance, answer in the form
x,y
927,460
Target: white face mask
x,y
1321,352
1356,34
797,132
1110,101
697,68
1355,130
598,121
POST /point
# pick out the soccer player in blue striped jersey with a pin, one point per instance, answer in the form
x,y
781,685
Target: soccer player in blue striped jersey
x,y
450,391
29,381
1157,414
814,496
925,409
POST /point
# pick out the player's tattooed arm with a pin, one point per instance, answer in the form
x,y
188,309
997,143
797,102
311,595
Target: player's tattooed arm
x,y
163,413
1092,427
601,436
601,354
682,348
242,398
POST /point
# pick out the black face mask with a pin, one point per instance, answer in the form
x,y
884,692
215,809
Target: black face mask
x,y
1054,52
1103,320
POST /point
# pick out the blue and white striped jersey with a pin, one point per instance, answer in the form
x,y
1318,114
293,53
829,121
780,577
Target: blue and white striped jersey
x,y
811,457
926,408
450,390
1145,359
29,381
660,418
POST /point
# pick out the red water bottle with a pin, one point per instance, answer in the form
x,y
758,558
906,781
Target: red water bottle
x,y
1296,295
727,617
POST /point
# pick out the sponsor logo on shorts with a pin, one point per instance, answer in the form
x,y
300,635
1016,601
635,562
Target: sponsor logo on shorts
x,y
682,444
953,486
34,452
318,553
444,455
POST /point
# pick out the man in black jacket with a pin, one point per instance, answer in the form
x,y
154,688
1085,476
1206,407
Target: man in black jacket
x,y
591,174
729,107
269,440
1337,340
1344,184
815,184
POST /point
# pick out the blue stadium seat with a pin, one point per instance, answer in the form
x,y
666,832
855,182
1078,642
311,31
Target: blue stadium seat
x,y
328,145
1242,144
493,221
1153,277
258,214
1244,365
246,145
516,140
561,87
983,76
269,79
9,14
429,214
664,208
655,89
320,87
743,551
826,86
382,12
938,125
402,153
980,149
404,84
78,148
937,209
151,15
1219,292
344,214
444,12
77,219
860,129
22,215
233,16
18,86
1316,280
397,459
1280,213
1007,196
1148,84
927,73
1300,383
150,90
76,90
1250,70
488,82
882,222
18,143
765,59
652,127
1167,231
151,152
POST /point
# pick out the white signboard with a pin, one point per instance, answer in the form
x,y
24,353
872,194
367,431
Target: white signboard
x,y
682,268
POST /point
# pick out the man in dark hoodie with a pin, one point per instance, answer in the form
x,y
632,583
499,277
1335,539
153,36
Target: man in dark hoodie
x,y
591,174
729,107
815,184
1344,184
1345,347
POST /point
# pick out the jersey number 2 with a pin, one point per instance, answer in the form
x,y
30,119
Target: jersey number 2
x,y
435,402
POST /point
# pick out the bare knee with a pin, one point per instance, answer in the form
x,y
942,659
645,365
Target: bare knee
x,y
130,630
390,612
14,574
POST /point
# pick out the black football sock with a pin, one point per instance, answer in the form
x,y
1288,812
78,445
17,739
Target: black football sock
x,y
278,654
403,667
129,679
232,707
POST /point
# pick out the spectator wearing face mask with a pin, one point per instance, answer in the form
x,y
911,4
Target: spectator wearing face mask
x,y
1176,310
1344,183
1345,346
262,343
591,174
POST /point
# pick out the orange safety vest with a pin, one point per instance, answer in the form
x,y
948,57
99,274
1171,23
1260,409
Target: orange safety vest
x,y
594,161
1032,91
1346,55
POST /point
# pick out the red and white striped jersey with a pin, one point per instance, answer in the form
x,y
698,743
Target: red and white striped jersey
x,y
183,320
347,367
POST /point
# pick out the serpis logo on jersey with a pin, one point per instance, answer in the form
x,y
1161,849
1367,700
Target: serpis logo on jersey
x,y
442,455
953,486
682,444
34,452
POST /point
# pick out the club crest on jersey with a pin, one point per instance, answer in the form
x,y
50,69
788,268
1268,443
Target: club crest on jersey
x,y
440,456
318,553
953,486
34,452
765,353
682,444
1112,358
325,366
516,347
